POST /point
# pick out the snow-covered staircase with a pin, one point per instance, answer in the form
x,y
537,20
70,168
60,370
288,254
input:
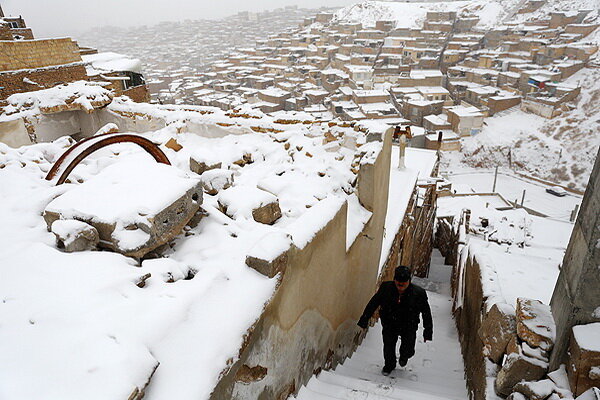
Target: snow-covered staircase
x,y
436,371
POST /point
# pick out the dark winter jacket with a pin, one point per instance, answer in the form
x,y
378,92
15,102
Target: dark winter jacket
x,y
400,316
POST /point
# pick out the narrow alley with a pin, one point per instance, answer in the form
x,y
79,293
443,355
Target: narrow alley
x,y
435,372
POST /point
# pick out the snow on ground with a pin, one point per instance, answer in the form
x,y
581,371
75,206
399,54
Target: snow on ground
x,y
511,188
76,325
522,256
436,372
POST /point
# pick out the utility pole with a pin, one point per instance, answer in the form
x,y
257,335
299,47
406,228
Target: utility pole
x,y
523,198
495,177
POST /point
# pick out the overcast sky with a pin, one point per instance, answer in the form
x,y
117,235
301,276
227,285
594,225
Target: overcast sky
x,y
70,17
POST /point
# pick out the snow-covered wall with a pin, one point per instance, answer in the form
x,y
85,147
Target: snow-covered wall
x,y
311,321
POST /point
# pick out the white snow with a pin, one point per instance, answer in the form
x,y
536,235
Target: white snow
x,y
112,62
83,94
357,218
144,190
67,230
587,336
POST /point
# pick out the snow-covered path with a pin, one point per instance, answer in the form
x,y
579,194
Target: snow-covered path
x,y
436,371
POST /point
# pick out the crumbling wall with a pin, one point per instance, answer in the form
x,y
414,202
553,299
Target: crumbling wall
x,y
468,323
12,82
310,323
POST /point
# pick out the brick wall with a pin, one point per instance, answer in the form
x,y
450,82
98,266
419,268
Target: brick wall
x,y
28,54
12,82
139,94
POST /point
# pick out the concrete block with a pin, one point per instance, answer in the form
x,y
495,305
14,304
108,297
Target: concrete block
x,y
161,200
73,235
535,324
200,167
498,327
517,368
216,180
583,366
269,255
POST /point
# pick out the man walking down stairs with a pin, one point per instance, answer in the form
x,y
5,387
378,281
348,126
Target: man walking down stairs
x,y
436,372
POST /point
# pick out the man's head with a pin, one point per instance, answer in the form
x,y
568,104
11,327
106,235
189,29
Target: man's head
x,y
402,278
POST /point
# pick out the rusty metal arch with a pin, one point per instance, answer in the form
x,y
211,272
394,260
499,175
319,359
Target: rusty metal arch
x,y
146,144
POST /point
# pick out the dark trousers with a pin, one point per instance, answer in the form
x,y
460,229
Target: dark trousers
x,y
407,345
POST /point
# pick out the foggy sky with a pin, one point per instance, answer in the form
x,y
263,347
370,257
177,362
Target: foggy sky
x,y
69,17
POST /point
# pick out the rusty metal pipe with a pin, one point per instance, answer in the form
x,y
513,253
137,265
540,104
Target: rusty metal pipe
x,y
146,144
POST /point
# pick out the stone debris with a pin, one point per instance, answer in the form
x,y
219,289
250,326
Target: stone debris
x,y
72,235
590,394
516,396
200,167
215,180
517,368
497,329
267,214
269,255
535,324
584,358
162,202
173,145
539,390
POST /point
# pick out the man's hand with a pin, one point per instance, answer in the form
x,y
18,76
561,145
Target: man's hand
x,y
363,323
427,336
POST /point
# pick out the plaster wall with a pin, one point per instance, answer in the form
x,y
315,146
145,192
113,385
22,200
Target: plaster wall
x,y
311,321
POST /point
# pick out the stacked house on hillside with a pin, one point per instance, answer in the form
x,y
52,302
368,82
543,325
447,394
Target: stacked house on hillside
x,y
28,64
448,69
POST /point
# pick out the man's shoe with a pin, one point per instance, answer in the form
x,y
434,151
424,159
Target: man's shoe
x,y
402,362
387,370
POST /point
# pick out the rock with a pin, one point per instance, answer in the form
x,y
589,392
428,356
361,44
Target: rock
x,y
584,358
269,255
173,145
216,180
534,352
513,345
590,394
267,214
535,324
539,390
517,368
498,327
516,396
72,235
200,167
248,374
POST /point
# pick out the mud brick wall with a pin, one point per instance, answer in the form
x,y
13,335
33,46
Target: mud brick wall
x,y
139,94
30,54
12,82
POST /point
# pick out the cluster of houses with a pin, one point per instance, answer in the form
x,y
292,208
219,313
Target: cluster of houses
x,y
175,52
445,77
442,79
